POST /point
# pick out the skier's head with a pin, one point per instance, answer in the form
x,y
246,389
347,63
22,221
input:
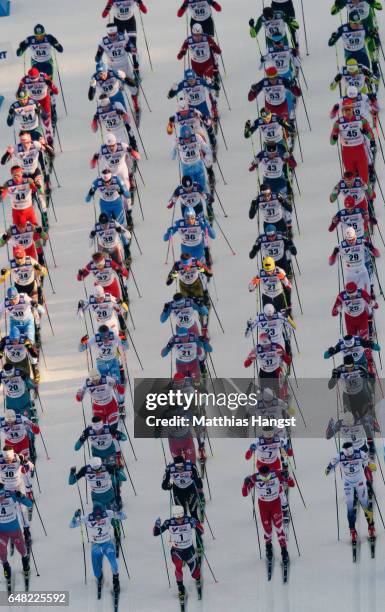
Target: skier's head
x,y
197,32
97,513
183,334
187,182
14,335
102,70
351,288
264,341
348,449
349,202
271,231
17,173
267,395
354,19
178,300
39,31
272,73
348,108
111,141
96,464
268,431
352,66
97,423
264,473
350,235
22,97
348,419
349,177
269,310
186,259
352,92
271,149
179,462
182,101
13,295
268,264
266,115
190,76
349,340
106,175
185,133
265,191
8,453
19,253
104,101
112,31
177,512
10,416
9,370
104,332
99,260
25,140
99,293
103,219
94,375
268,13
189,215
348,362
33,74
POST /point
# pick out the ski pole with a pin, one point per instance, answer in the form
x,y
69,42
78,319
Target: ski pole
x,y
292,524
165,559
307,116
84,554
224,90
145,40
296,288
136,125
39,515
203,510
137,243
223,136
304,27
296,401
61,85
256,522
56,177
124,559
220,203
132,447
303,76
136,284
221,55
34,561
337,511
216,313
164,452
134,347
209,566
45,448
299,140
378,508
220,170
224,236
49,318
53,256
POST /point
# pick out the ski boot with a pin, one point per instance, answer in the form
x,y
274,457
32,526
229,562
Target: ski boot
x,y
122,410
269,551
286,517
99,585
181,593
199,588
253,209
7,570
26,568
116,583
136,108
353,534
285,554
205,333
27,538
129,219
202,452
371,530
36,373
211,175
209,261
127,255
